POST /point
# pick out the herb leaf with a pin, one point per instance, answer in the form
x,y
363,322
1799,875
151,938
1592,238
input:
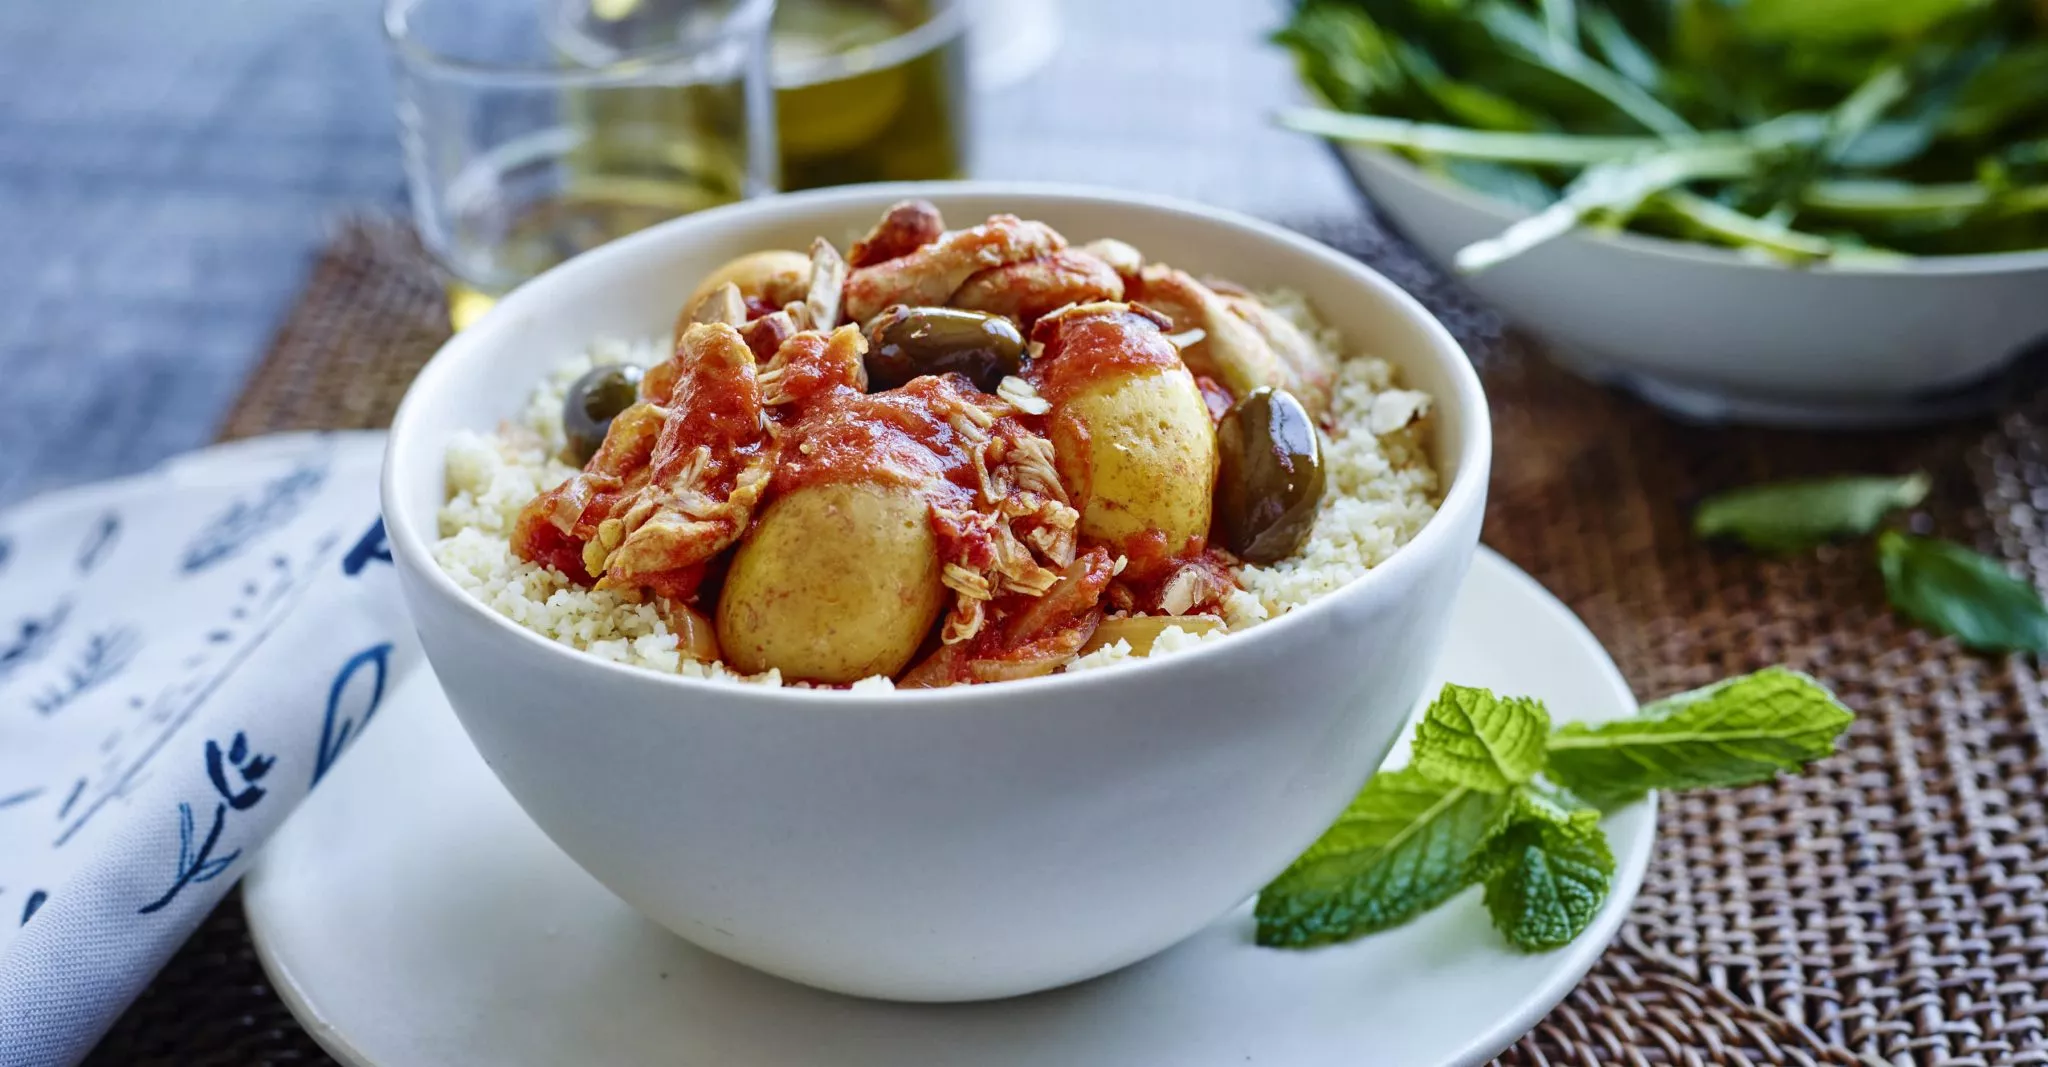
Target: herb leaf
x,y
1404,846
1735,732
1472,738
1616,188
1837,22
1547,872
1964,594
1789,516
1906,92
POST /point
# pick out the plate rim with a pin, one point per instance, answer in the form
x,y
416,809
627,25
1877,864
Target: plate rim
x,y
1574,961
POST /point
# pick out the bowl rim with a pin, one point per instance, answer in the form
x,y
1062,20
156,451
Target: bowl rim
x,y
1464,497
1353,156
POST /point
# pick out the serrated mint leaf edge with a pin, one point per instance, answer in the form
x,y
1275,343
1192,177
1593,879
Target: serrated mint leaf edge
x,y
1508,760
1597,736
1284,931
1503,874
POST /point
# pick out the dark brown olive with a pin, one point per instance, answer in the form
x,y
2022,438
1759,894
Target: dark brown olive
x,y
908,342
1269,475
592,402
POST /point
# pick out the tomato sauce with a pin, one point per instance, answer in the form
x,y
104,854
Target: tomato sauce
x,y
1095,343
711,413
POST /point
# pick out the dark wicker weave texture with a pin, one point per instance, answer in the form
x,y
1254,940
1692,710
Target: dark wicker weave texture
x,y
1888,908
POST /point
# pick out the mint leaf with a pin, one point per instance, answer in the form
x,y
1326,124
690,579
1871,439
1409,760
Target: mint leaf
x,y
1472,738
1735,732
1971,597
1789,516
1405,845
1546,872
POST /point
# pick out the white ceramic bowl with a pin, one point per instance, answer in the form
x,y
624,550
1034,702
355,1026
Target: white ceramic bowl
x,y
951,844
1717,335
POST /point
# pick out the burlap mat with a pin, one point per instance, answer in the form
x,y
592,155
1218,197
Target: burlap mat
x,y
1887,908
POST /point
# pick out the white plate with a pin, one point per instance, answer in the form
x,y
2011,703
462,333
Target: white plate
x,y
411,915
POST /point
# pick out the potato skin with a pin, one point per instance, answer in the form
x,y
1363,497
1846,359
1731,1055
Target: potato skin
x,y
1138,451
778,276
835,583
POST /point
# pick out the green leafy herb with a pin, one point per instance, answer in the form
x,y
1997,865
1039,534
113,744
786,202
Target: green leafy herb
x,y
1472,738
1404,846
1955,591
1547,872
1743,730
1696,216
1788,516
1614,188
1475,808
1914,116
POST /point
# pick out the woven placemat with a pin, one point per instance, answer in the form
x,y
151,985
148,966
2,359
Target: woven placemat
x,y
1887,908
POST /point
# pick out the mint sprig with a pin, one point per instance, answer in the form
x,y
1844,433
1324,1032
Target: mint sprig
x,y
1547,871
1494,797
1472,738
1401,848
1734,732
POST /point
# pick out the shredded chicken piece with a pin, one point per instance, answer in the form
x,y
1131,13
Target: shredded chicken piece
x,y
1036,635
812,362
1199,585
1020,529
703,475
724,304
966,582
678,526
1122,258
627,447
1022,395
908,226
1032,465
766,335
1310,371
555,526
1024,291
1181,592
820,309
1234,351
930,275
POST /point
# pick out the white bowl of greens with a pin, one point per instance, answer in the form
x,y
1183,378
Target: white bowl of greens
x,y
1742,209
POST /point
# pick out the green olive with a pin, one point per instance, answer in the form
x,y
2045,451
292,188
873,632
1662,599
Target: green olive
x,y
1270,475
908,342
592,402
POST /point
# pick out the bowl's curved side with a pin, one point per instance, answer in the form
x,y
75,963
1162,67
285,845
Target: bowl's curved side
x,y
1709,319
943,845
1033,843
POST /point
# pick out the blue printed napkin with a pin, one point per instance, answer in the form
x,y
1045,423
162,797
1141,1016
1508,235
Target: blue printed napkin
x,y
182,656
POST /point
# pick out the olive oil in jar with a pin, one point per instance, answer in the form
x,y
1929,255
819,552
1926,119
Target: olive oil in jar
x,y
497,247
870,90
638,132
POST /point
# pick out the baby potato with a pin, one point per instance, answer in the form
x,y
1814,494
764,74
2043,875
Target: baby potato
x,y
777,276
1139,453
835,583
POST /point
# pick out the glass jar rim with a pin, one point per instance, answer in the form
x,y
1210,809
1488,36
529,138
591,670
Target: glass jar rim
x,y
947,20
748,18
